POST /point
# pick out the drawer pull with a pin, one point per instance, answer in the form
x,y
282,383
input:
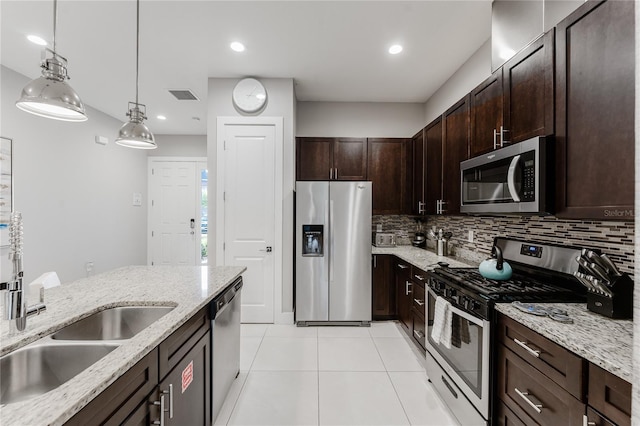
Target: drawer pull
x,y
453,392
401,266
525,396
418,334
420,277
419,302
407,288
533,352
586,422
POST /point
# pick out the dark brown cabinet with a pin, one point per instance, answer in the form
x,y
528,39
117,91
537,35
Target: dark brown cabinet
x,y
404,292
419,202
595,112
528,91
331,159
383,293
175,375
486,115
389,169
609,395
455,149
433,165
418,331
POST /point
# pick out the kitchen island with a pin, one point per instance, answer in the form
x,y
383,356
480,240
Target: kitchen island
x,y
187,289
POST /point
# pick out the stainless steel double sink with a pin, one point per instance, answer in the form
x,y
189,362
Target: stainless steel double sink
x,y
51,361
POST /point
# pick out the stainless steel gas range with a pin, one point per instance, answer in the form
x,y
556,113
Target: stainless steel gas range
x,y
461,370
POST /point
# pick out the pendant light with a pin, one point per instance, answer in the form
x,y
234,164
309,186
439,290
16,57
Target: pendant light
x,y
134,133
50,96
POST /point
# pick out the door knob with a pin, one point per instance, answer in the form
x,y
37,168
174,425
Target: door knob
x,y
193,223
269,249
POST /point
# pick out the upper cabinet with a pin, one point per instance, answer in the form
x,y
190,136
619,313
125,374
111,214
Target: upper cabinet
x,y
456,131
595,112
419,202
433,165
486,115
390,172
331,159
528,91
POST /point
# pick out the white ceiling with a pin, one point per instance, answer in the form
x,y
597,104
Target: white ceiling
x,y
334,50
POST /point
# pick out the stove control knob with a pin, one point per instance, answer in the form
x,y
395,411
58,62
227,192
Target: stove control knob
x,y
472,305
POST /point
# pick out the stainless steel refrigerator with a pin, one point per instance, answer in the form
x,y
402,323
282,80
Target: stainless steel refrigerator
x,y
333,252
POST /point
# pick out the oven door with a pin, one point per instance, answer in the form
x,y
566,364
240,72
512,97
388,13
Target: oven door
x,y
467,361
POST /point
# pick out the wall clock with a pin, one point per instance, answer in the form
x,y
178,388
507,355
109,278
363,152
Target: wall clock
x,y
249,95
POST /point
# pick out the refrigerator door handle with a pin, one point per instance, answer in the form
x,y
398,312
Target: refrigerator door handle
x,y
330,234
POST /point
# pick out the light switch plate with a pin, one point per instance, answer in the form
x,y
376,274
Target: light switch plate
x,y
137,199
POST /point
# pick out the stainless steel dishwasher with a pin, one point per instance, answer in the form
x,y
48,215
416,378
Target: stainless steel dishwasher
x,y
225,344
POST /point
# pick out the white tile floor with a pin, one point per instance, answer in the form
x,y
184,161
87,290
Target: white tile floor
x,y
331,376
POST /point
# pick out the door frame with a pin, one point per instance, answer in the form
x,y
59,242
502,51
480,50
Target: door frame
x,y
150,163
277,123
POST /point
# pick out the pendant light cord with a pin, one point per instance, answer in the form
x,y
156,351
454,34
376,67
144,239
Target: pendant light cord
x,y
55,21
137,46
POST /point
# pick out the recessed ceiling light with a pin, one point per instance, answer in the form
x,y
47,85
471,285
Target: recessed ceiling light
x,y
36,40
161,117
395,49
237,46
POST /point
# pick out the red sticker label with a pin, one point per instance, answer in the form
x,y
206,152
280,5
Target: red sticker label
x,y
187,376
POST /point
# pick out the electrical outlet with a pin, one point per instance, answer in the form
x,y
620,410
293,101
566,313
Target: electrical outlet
x,y
137,199
470,236
89,268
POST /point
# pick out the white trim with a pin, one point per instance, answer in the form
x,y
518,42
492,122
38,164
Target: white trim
x,y
278,123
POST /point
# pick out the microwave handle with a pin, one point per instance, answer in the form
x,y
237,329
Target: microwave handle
x,y
511,181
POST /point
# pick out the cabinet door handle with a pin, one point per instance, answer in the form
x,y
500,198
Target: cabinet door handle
x,y
586,422
502,140
420,277
401,266
407,284
331,173
161,404
336,173
525,396
495,139
419,334
524,345
375,261
171,400
419,302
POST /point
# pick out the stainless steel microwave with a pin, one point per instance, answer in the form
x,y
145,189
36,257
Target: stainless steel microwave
x,y
513,179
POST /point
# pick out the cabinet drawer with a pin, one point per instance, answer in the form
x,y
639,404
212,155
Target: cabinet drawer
x,y
182,340
557,363
418,299
505,417
610,395
419,330
122,397
596,419
529,393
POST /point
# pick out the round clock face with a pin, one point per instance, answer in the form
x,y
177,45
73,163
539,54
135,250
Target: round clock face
x,y
249,95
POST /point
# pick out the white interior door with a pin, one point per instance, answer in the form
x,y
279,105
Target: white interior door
x,y
249,215
175,228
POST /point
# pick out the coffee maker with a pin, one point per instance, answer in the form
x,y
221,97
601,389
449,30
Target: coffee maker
x,y
420,239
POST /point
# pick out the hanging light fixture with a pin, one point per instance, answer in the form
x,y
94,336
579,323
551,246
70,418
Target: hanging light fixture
x,y
50,96
134,133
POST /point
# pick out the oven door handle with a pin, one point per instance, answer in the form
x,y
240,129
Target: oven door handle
x,y
475,320
511,178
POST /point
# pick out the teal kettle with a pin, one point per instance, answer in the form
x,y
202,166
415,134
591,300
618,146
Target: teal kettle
x,y
496,268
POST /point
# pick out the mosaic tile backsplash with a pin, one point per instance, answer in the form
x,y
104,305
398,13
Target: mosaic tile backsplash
x,y
614,238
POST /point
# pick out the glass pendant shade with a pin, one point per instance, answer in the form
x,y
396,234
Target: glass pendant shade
x,y
134,133
50,98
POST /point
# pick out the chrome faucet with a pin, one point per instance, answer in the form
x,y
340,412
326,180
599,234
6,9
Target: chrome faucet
x,y
15,302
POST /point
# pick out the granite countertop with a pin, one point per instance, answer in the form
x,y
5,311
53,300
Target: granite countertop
x,y
187,288
421,258
605,342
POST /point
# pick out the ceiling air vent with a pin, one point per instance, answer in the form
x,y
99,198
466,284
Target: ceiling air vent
x,y
183,94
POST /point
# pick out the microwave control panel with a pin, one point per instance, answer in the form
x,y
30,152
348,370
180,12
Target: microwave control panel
x,y
529,176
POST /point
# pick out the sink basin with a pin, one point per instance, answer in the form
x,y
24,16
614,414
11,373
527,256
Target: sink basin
x,y
36,369
113,324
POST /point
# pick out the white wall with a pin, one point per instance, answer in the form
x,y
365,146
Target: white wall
x,y
75,195
359,119
179,146
281,103
473,72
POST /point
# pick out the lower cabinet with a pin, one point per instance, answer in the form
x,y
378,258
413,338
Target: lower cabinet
x,y
403,294
383,294
541,383
174,377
